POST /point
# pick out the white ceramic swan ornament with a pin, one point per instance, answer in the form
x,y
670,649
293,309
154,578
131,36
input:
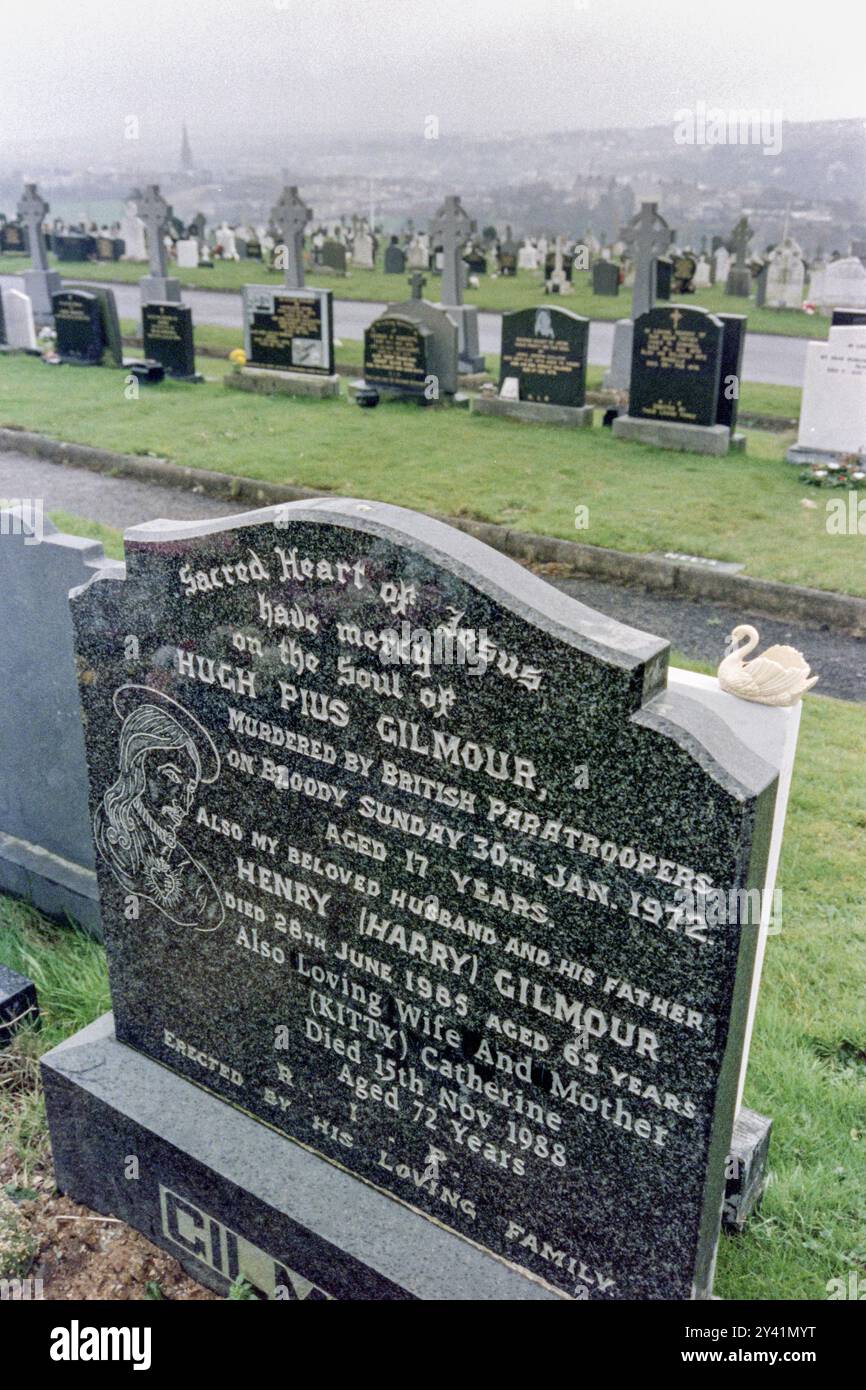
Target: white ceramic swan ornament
x,y
780,676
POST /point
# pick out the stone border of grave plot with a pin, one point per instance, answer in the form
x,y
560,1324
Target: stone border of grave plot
x,y
843,613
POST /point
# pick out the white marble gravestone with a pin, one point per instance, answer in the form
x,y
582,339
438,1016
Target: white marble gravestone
x,y
18,313
786,276
833,413
844,285
133,234
187,253
722,261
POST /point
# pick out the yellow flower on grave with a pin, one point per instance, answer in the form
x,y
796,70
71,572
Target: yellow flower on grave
x,y
238,356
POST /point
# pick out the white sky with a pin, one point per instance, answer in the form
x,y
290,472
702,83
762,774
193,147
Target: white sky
x,y
77,68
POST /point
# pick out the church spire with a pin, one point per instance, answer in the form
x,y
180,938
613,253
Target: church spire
x,y
186,160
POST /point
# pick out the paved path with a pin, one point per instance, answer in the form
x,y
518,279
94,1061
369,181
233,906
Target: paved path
x,y
768,358
697,629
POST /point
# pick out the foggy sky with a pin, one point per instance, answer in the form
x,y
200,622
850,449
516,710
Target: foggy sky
x,y
243,69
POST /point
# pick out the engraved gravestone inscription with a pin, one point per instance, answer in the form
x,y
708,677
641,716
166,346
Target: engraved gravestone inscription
x,y
395,846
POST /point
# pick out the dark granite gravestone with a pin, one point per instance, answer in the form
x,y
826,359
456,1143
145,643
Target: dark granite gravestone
x,y
664,277
605,277
848,318
18,1003
2,322
289,330
168,338
440,348
476,261
108,312
395,355
675,382
333,257
73,246
78,322
397,853
550,264
676,363
731,368
760,280
546,350
506,256
395,258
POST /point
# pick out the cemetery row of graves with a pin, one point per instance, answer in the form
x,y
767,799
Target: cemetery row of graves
x,y
407,1003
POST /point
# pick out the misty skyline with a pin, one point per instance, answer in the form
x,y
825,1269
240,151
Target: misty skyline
x,y
284,71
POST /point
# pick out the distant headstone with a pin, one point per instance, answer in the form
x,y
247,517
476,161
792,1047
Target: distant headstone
x,y
20,325
739,278
703,277
506,256
684,270
363,253
187,253
664,277
13,239
73,246
605,278
78,323
108,311
786,277
155,213
334,257
40,283
844,285
833,409
132,232
395,258
721,265
450,229
497,1088
46,845
290,217
168,338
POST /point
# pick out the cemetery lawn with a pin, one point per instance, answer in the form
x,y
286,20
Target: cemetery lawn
x,y
520,291
744,508
808,1061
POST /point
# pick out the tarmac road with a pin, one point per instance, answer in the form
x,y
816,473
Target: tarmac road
x,y
698,629
768,357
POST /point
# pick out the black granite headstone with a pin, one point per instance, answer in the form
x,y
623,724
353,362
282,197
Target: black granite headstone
x,y
393,841
15,238
289,330
605,277
546,350
676,366
731,370
18,1003
78,324
108,312
168,337
2,322
334,257
395,354
73,246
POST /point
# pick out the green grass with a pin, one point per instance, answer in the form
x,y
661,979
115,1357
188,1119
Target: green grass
x,y
744,508
520,291
72,524
808,1060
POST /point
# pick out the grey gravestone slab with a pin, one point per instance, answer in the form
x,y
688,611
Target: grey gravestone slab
x,y
396,354
460,970
289,330
110,320
334,257
546,350
46,845
441,343
18,1003
605,278
168,338
676,364
20,325
747,1168
78,323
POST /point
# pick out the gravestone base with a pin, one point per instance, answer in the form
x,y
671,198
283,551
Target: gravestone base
x,y
747,1169
665,434
739,282
618,376
155,287
578,417
805,455
41,285
18,1003
393,393
57,887
225,1195
268,382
